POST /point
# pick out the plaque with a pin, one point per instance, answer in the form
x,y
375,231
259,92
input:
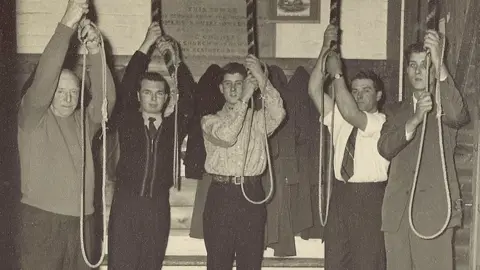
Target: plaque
x,y
216,27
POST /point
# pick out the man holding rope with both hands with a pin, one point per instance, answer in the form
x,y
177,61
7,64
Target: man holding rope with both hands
x,y
399,142
353,239
236,152
49,138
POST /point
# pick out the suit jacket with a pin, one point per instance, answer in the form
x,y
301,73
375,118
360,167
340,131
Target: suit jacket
x,y
429,204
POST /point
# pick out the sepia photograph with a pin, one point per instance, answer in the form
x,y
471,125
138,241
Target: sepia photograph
x,y
301,11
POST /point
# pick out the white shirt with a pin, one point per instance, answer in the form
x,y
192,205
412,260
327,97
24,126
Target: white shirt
x,y
368,165
157,122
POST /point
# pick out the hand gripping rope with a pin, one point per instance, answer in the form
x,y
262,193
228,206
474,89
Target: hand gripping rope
x,y
104,148
334,20
432,22
252,49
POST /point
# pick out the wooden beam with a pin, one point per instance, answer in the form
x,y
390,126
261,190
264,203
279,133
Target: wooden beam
x,y
470,41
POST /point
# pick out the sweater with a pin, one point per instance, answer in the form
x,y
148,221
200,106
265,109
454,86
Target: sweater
x,y
50,146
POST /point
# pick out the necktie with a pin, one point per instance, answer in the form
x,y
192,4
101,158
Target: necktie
x,y
152,130
348,156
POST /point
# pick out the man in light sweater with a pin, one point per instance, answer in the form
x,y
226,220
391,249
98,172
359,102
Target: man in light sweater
x,y
49,138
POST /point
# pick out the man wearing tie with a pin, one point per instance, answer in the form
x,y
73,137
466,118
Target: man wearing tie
x,y
353,239
140,216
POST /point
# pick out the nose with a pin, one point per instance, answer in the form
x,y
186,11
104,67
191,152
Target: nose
x,y
154,97
68,97
418,70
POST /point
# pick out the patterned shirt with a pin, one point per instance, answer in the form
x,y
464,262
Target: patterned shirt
x,y
226,136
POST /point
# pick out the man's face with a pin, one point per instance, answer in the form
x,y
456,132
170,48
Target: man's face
x,y
417,70
152,96
232,87
365,94
65,100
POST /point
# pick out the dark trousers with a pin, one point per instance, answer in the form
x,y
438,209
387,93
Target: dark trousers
x,y
353,236
51,241
234,227
138,232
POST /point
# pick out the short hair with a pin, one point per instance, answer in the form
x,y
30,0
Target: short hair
x,y
156,77
418,47
233,68
377,84
370,75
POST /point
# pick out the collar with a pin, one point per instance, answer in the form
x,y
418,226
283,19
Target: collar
x,y
157,116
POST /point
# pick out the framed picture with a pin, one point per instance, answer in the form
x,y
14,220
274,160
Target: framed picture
x,y
294,11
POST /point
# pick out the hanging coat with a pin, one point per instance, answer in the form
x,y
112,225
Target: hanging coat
x,y
208,100
306,208
279,233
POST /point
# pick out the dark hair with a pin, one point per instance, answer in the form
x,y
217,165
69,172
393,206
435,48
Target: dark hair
x,y
370,75
377,83
233,68
418,47
156,77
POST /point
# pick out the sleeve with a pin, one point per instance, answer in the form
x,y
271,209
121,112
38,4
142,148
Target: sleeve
x,y
374,125
273,114
223,130
39,95
393,136
454,108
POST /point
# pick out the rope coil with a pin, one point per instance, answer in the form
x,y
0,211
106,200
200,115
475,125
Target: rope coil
x,y
438,116
104,148
252,49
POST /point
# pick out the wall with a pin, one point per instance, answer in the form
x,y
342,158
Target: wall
x,y
364,26
124,22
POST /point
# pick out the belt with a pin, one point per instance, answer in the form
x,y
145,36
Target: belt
x,y
226,179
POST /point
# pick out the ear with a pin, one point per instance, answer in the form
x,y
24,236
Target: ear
x,y
138,96
220,86
379,95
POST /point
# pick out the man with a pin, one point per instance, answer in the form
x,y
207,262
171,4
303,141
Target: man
x,y
353,239
232,225
399,142
140,215
49,138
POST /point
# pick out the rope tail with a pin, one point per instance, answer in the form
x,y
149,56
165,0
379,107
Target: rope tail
x,y
253,49
104,151
334,46
432,23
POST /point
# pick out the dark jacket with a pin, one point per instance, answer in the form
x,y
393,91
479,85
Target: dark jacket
x,y
208,100
430,206
145,167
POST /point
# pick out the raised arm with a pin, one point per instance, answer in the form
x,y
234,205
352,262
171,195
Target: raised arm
x,y
345,101
185,84
273,114
92,39
455,112
454,108
324,103
136,67
223,130
39,95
